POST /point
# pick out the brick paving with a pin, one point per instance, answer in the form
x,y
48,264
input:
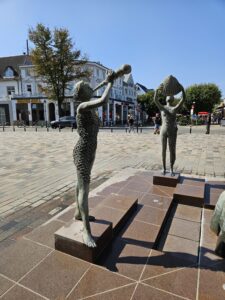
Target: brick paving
x,y
38,182
144,262
38,176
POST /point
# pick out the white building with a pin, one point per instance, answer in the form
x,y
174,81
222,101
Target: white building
x,y
141,89
122,97
21,97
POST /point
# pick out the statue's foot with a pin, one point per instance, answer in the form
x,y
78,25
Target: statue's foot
x,y
163,172
88,240
172,173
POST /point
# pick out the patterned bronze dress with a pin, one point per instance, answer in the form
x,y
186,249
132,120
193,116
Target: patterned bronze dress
x,y
84,151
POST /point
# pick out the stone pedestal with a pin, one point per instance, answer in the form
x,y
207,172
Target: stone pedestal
x,y
69,239
189,195
110,217
166,180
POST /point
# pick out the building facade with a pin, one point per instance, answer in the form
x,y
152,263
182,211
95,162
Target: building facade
x,y
21,97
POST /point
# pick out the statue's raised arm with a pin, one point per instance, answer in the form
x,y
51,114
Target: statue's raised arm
x,y
156,100
182,100
87,105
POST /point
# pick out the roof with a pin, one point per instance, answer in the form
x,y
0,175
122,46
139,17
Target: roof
x,y
14,62
97,63
127,78
143,87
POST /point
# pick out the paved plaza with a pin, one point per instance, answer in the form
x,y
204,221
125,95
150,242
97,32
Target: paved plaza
x,y
38,184
38,175
37,167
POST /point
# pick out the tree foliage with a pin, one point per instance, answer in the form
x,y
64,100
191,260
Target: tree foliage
x,y
55,61
147,102
148,105
205,96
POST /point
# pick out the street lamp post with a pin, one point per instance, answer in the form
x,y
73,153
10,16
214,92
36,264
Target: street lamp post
x,y
191,115
45,114
138,110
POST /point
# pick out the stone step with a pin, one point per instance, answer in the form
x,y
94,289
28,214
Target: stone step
x,y
213,189
110,217
68,239
189,194
166,180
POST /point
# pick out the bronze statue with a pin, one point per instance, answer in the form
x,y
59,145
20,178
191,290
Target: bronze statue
x,y
217,225
169,88
85,149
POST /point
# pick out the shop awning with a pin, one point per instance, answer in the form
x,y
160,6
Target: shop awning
x,y
203,113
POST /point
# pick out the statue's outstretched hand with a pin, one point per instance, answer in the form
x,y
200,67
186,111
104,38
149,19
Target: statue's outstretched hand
x,y
110,77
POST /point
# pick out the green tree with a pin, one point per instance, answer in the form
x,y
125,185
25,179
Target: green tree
x,y
148,105
55,61
147,102
205,96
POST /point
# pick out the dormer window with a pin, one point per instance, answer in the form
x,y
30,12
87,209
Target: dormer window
x,y
9,72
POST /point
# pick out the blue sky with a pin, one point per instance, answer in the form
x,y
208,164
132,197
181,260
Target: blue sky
x,y
185,38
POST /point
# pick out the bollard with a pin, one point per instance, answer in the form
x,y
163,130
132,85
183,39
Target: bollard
x,y
59,128
24,128
190,129
111,129
72,127
36,128
3,127
47,128
13,128
141,130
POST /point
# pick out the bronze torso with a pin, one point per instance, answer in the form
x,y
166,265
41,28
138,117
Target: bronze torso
x,y
84,151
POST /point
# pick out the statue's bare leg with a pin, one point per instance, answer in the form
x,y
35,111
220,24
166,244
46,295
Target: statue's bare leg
x,y
77,214
172,148
83,208
164,146
77,211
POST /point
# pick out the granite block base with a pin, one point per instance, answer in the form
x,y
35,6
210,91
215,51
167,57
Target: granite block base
x,y
69,239
166,180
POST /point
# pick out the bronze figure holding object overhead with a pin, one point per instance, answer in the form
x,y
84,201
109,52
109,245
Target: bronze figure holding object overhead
x,y
85,149
169,87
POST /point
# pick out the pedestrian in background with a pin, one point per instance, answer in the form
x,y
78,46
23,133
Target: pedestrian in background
x,y
130,121
157,122
208,123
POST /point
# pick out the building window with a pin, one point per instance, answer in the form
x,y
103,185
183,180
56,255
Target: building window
x,y
29,88
10,90
23,73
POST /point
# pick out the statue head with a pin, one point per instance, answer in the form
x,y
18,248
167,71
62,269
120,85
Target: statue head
x,y
82,91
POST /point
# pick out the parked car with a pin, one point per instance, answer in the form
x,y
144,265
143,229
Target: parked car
x,y
67,121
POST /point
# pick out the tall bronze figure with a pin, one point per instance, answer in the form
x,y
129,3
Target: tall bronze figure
x,y
85,149
169,87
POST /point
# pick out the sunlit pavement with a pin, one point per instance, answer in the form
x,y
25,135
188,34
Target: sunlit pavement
x,y
38,175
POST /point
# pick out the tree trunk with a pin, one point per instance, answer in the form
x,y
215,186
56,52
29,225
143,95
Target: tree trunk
x,y
60,108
